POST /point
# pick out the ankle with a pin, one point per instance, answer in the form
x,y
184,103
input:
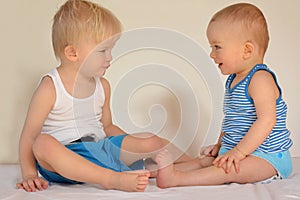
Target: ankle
x,y
111,181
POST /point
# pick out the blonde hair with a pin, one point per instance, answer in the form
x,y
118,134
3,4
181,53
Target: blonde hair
x,y
251,19
76,18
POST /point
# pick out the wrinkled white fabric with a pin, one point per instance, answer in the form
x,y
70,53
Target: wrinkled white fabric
x,y
276,190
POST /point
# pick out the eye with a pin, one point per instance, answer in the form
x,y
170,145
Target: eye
x,y
102,50
217,47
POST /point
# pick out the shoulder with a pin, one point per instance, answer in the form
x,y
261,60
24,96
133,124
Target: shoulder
x,y
47,84
105,84
44,96
262,77
263,82
46,88
106,88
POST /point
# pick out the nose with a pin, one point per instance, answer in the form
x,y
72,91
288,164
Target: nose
x,y
212,54
108,56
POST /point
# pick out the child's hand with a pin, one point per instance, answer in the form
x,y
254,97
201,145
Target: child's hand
x,y
211,150
232,157
31,184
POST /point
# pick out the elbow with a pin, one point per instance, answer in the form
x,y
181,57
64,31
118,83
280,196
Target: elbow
x,y
109,130
270,123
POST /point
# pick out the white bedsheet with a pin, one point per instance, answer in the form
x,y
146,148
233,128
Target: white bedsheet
x,y
281,189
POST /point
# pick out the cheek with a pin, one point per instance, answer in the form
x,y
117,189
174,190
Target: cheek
x,y
94,60
219,55
226,56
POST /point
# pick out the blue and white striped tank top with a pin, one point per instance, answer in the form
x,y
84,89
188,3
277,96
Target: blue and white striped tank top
x,y
240,114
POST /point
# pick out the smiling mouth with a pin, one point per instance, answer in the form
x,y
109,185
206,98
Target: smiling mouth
x,y
220,65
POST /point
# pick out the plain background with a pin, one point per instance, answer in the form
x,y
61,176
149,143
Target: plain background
x,y
26,54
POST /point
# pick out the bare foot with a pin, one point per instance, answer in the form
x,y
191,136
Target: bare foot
x,y
151,166
133,181
166,171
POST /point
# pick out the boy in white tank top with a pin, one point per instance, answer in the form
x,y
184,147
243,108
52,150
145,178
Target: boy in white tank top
x,y
71,105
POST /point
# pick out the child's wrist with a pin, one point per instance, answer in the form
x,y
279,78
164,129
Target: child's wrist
x,y
241,152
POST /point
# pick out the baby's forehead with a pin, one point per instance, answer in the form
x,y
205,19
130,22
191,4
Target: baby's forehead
x,y
218,31
226,26
110,42
227,22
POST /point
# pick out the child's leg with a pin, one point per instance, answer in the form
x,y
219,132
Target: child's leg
x,y
55,157
193,164
252,169
178,155
146,145
196,163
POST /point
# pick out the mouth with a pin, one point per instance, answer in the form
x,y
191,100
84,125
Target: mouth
x,y
220,65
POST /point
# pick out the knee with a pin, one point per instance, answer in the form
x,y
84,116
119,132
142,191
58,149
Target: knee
x,y
152,142
42,145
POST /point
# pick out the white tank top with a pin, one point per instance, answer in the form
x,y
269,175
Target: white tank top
x,y
72,118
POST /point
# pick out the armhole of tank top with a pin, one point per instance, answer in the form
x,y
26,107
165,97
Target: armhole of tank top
x,y
275,79
277,84
55,87
249,78
229,81
100,87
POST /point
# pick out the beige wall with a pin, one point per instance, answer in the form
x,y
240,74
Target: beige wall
x,y
26,54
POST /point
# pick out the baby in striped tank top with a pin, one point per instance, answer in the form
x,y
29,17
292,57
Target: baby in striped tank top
x,y
254,142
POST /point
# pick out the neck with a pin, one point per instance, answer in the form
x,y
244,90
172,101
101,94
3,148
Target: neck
x,y
75,83
248,67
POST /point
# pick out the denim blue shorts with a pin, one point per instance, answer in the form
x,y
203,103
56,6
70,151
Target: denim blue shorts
x,y
105,153
281,161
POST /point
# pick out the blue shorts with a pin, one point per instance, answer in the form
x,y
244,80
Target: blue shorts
x,y
105,153
280,161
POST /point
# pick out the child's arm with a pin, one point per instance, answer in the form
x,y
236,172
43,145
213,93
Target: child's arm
x,y
40,105
109,128
264,92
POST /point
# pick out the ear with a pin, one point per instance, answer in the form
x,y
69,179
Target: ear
x,y
248,50
71,53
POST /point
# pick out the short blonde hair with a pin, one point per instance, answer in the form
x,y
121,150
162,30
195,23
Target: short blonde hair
x,y
76,18
251,18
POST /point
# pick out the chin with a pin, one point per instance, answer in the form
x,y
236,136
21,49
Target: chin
x,y
224,72
100,74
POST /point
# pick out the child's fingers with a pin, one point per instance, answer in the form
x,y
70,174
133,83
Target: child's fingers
x,y
215,152
216,160
44,184
206,150
229,164
19,186
219,161
40,184
223,160
32,185
27,187
237,166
